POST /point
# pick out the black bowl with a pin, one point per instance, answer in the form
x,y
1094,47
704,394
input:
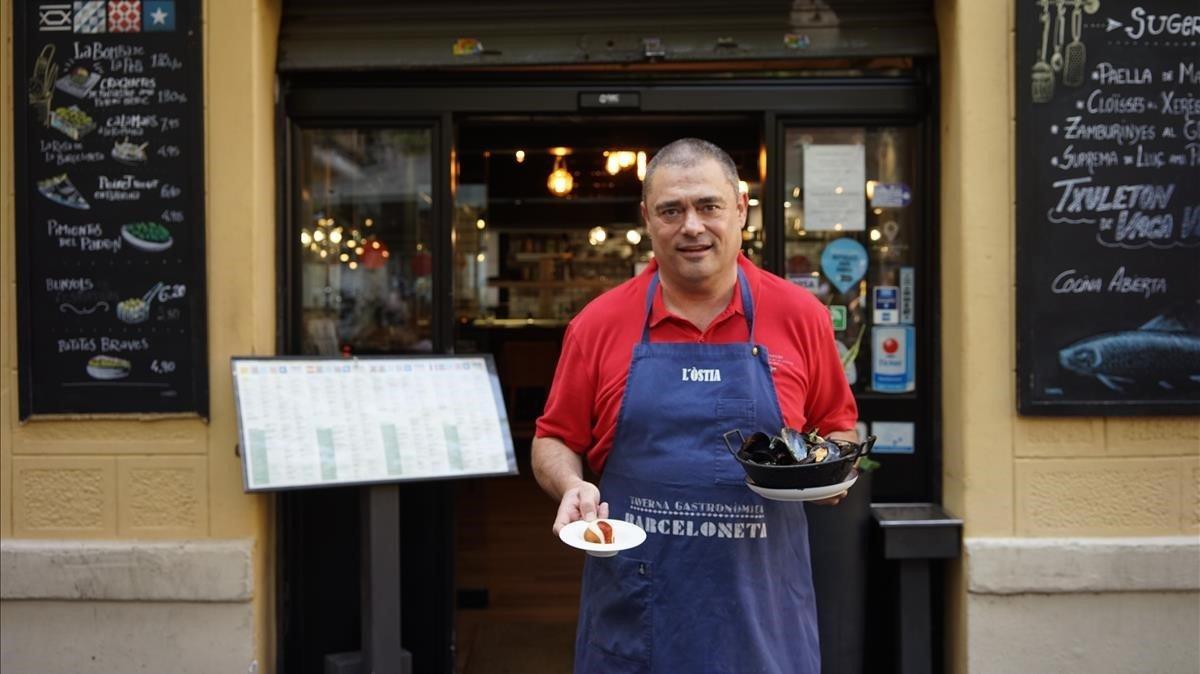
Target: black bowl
x,y
803,476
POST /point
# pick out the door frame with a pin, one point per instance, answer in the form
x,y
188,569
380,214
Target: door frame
x,y
308,100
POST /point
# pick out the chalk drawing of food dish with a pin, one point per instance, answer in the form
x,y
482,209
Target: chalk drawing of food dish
x,y
1162,353
60,190
72,121
107,367
133,310
128,153
148,236
78,82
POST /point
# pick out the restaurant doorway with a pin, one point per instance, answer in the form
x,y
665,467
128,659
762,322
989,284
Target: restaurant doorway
x,y
478,216
546,217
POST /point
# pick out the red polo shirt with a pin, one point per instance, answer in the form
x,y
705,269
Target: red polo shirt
x,y
589,383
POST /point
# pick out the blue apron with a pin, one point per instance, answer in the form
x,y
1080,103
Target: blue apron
x,y
723,582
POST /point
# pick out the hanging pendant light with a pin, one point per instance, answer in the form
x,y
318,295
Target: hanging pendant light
x,y
560,181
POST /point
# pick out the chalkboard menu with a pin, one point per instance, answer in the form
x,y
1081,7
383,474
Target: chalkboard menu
x,y
1108,207
109,200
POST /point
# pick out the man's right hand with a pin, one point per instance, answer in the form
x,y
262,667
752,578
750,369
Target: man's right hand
x,y
581,502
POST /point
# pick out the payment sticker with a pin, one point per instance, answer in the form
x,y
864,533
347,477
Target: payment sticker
x,y
886,305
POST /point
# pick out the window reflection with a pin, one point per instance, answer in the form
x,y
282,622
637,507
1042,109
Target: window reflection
x,y
889,234
364,235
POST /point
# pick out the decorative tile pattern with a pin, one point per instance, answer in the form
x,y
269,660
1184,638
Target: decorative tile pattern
x,y
158,15
124,16
89,16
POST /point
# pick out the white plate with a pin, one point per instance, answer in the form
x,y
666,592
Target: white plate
x,y
625,534
148,246
810,494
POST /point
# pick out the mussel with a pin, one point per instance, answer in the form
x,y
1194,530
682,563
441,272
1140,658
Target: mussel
x,y
796,445
792,447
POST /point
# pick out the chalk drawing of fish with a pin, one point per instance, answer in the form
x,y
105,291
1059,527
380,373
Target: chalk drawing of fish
x,y
1162,353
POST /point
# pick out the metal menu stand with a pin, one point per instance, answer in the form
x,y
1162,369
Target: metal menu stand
x,y
413,418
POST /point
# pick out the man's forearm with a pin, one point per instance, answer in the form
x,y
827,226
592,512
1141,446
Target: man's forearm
x,y
851,435
556,466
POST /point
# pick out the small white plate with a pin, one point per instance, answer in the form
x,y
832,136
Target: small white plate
x,y
625,534
810,494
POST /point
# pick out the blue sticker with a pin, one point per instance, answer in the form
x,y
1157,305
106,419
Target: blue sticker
x,y
158,16
844,262
886,301
891,195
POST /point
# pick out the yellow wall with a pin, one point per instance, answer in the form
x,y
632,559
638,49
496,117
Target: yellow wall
x,y
1010,475
166,478
1006,475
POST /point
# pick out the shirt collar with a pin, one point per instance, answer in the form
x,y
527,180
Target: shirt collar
x,y
660,313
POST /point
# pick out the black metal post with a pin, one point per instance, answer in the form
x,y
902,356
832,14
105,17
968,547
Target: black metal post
x,y
912,617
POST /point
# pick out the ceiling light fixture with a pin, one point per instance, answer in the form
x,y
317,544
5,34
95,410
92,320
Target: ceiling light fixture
x,y
560,182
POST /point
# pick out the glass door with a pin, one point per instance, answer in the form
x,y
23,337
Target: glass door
x,y
856,234
362,238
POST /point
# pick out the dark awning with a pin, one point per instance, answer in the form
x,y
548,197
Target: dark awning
x,y
455,34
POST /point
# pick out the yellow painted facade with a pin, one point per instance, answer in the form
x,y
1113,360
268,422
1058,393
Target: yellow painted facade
x,y
1008,475
1005,475
170,478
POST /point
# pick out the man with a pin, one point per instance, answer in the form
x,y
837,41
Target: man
x,y
651,375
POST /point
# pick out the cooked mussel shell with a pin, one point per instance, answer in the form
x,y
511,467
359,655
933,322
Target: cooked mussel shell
x,y
757,449
765,450
845,447
795,443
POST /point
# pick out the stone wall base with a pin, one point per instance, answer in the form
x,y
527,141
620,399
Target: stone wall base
x,y
91,607
1081,606
94,637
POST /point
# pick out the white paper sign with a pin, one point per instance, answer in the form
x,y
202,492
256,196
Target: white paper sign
x,y
893,437
322,422
834,188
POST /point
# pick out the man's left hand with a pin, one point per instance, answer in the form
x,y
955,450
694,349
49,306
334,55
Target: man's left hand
x,y
832,500
852,436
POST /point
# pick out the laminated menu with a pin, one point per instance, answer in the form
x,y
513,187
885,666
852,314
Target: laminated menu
x,y
1108,207
110,218
311,422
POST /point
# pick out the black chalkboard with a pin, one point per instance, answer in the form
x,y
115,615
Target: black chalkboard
x,y
109,202
1108,207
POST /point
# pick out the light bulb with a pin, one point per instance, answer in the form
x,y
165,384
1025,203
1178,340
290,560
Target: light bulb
x,y
597,236
560,180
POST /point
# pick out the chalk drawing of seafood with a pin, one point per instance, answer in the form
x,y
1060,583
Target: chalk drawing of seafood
x,y
1162,353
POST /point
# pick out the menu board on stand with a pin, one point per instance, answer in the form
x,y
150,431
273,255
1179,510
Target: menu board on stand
x,y
108,129
1108,207
323,422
